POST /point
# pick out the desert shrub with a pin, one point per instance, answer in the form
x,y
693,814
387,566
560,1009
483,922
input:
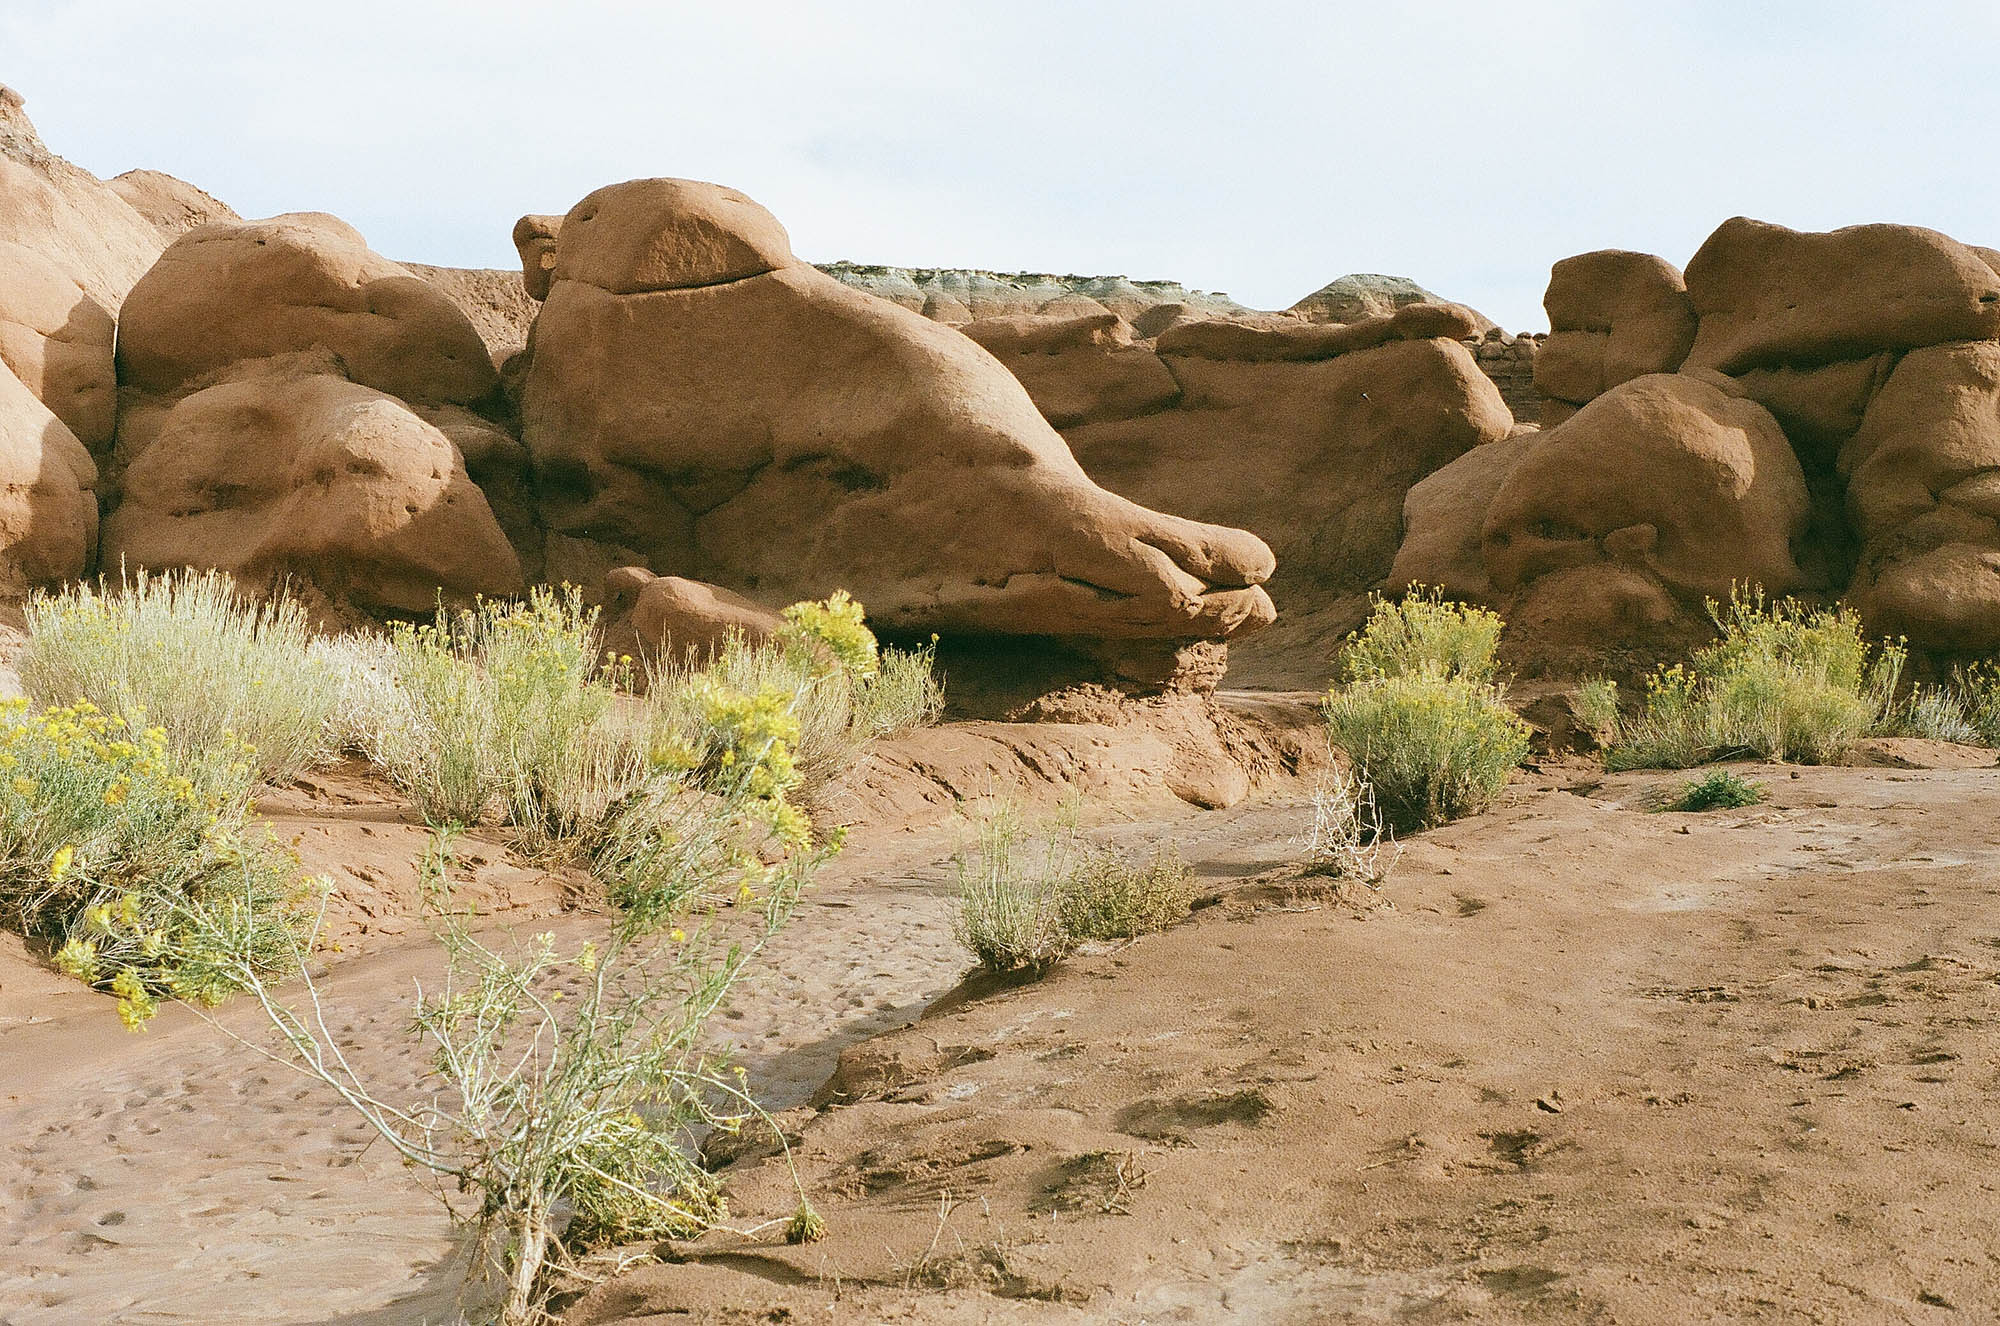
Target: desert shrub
x,y
839,710
1719,789
836,631
135,859
506,702
1105,895
1430,747
1008,909
1976,686
571,1086
903,695
1785,681
370,714
1347,838
1027,897
1596,705
1935,713
1423,633
181,651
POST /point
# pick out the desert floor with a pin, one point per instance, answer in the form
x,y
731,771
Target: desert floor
x,y
1576,1061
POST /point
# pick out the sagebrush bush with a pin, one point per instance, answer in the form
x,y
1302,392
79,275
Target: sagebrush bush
x,y
1934,713
1105,895
507,702
1423,633
1597,708
182,651
136,859
1785,681
1976,687
1719,789
1008,908
1027,897
573,1084
1431,748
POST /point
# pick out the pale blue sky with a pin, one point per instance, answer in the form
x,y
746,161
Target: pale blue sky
x,y
1261,149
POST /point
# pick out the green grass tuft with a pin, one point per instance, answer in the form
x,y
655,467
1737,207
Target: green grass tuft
x,y
1717,790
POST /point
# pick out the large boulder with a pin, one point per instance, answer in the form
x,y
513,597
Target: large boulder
x,y
669,619
494,301
1613,316
1314,455
1080,367
230,292
699,397
1444,520
48,513
284,468
56,338
1665,490
1923,492
1769,296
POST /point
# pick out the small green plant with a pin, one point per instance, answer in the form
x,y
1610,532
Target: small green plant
x,y
1430,748
1423,633
135,859
1008,911
184,652
1596,706
1106,896
1718,789
1785,681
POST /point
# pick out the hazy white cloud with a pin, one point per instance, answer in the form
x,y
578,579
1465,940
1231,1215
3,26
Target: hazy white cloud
x,y
1261,149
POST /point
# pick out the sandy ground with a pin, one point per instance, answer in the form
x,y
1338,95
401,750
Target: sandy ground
x,y
1577,1062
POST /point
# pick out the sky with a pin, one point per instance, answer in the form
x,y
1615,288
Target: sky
x,y
1261,149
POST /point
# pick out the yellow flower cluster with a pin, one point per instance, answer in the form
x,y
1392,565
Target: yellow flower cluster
x,y
837,628
757,732
130,852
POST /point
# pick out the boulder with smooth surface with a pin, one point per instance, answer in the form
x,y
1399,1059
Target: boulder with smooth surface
x,y
1673,480
48,513
699,396
1767,295
283,468
230,292
1923,492
1613,316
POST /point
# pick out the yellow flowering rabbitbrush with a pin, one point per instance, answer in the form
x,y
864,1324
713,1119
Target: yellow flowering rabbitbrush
x,y
1429,731
136,859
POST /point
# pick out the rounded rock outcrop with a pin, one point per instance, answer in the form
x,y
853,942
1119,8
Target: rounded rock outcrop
x,y
230,292
698,397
